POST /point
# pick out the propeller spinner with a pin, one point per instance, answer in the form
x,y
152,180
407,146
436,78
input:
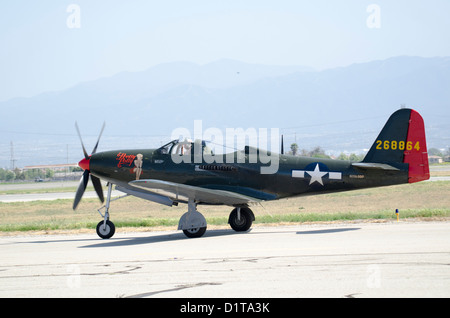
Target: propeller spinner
x,y
84,164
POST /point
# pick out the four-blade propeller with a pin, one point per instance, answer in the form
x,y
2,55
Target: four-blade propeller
x,y
84,164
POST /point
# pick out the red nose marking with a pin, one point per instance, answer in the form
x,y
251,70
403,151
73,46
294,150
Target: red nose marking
x,y
84,164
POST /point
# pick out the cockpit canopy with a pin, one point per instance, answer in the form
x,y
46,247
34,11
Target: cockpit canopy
x,y
186,147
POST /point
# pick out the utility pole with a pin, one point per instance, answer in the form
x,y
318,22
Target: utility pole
x,y
12,157
67,161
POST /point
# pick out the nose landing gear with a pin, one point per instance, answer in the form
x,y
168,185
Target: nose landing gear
x,y
106,228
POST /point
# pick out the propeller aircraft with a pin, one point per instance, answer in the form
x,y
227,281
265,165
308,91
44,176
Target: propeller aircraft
x,y
398,155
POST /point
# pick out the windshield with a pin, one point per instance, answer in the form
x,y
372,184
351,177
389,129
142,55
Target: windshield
x,y
185,147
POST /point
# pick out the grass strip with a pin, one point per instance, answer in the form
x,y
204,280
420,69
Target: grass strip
x,y
419,200
261,219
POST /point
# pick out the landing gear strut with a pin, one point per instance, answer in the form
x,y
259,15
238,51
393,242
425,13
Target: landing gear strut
x,y
106,228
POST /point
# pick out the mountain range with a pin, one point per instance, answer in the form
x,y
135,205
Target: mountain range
x,y
339,109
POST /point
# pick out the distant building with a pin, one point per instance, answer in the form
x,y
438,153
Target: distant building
x,y
435,159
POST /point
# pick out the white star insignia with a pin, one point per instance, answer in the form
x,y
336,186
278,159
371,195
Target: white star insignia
x,y
316,175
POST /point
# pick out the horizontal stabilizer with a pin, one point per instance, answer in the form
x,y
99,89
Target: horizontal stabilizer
x,y
373,165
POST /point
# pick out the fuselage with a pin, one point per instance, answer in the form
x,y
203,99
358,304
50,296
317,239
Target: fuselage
x,y
295,175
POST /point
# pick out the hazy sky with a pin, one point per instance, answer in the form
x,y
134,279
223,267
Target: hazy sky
x,y
54,44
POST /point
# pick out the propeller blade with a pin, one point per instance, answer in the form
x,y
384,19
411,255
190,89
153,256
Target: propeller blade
x,y
98,187
82,145
95,148
85,178
81,188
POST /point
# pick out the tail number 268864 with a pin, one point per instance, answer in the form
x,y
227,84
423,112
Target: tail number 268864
x,y
397,145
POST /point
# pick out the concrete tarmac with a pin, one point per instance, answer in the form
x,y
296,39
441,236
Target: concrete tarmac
x,y
340,260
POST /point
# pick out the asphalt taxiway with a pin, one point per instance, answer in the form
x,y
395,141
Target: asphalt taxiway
x,y
394,259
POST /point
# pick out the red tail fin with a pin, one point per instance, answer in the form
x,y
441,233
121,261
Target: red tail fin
x,y
416,154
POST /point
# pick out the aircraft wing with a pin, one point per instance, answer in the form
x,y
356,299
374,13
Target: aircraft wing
x,y
182,192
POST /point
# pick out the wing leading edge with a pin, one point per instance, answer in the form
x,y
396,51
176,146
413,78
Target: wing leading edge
x,y
182,193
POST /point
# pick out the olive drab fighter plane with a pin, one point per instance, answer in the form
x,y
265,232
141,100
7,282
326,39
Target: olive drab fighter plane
x,y
398,155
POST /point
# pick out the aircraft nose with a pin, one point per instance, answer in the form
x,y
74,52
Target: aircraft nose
x,y
84,164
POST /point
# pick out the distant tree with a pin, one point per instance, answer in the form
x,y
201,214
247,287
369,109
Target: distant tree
x,y
355,157
49,173
318,152
435,152
33,174
351,157
9,175
19,174
294,148
304,153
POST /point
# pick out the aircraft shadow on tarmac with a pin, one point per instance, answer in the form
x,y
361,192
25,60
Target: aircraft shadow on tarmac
x,y
325,231
180,236
159,238
211,233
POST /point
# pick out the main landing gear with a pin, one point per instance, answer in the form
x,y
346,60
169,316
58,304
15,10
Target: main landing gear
x,y
241,219
192,223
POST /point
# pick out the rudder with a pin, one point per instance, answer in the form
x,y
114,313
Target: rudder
x,y
416,154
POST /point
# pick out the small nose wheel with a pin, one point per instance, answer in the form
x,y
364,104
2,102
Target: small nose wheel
x,y
106,230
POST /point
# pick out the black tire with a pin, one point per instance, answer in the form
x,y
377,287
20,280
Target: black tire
x,y
108,232
244,223
196,232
